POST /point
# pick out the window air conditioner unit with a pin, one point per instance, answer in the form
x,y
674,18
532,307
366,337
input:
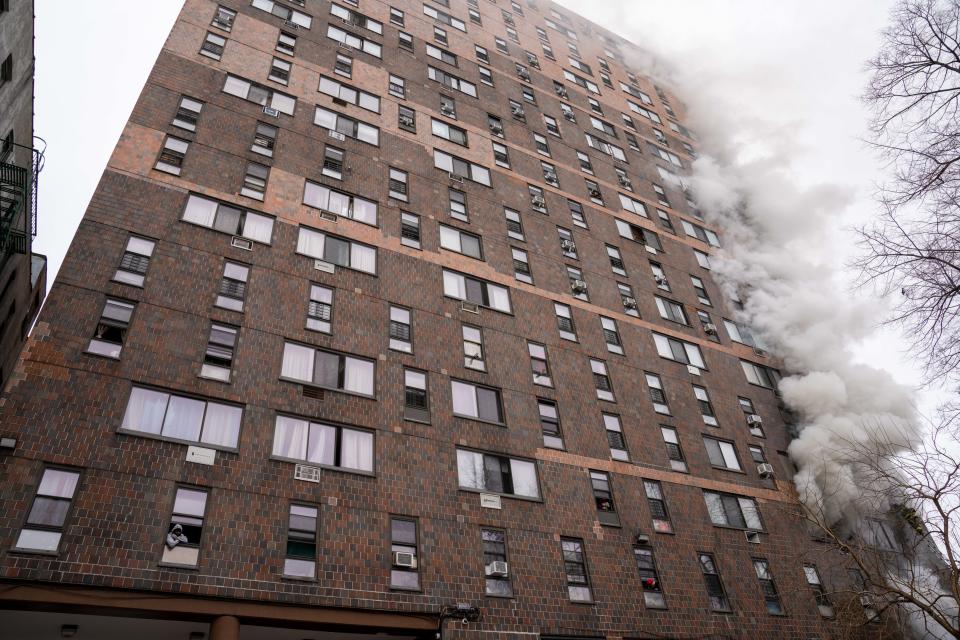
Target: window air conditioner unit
x,y
241,243
497,129
538,201
595,193
578,286
404,559
306,473
326,215
630,303
569,116
456,178
551,178
568,245
498,569
323,265
517,112
660,280
406,121
754,420
291,24
625,182
336,135
765,470
710,329
270,111
469,307
753,537
447,111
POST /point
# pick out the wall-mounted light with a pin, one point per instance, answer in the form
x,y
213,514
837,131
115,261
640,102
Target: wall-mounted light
x,y
68,630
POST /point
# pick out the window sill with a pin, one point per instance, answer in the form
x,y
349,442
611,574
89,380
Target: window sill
x,y
406,589
101,355
186,567
589,603
498,597
480,420
733,528
502,495
191,443
740,471
136,286
358,472
298,579
331,389
212,379
426,422
34,552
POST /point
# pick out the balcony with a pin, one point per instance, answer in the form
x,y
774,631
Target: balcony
x,y
19,167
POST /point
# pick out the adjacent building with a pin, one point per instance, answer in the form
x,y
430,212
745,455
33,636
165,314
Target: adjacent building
x,y
396,317
22,272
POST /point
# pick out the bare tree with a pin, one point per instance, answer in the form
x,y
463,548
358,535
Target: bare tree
x,y
913,249
902,548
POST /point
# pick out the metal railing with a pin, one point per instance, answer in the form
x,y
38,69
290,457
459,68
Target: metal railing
x,y
19,168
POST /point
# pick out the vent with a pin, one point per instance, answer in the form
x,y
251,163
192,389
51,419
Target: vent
x,y
326,215
340,102
270,111
241,243
323,265
470,307
312,392
336,135
306,473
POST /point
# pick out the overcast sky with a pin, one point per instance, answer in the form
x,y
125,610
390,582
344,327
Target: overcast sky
x,y
787,67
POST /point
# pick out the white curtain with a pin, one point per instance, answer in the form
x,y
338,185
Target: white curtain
x,y
363,258
184,418
57,482
323,442
297,362
715,509
310,243
290,438
257,227
356,450
145,410
365,211
524,476
358,376
315,195
200,211
221,425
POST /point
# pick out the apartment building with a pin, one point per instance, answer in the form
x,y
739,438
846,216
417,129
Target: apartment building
x,y
22,272
395,319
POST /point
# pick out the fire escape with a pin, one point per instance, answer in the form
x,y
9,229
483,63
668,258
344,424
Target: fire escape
x,y
19,167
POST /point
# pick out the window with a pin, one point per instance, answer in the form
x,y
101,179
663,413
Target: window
x,y
255,181
45,522
355,18
495,568
171,155
332,168
492,473
702,258
514,224
878,535
233,287
670,310
754,422
473,348
585,165
601,380
867,599
135,261
537,200
678,351
440,35
407,118
397,184
701,291
448,106
345,93
576,214
757,454
628,299
521,265
706,407
582,82
658,506
410,229
320,308
528,95
616,261
449,132
633,206
212,46
516,110
657,395
337,251
223,18
575,567
444,18
674,452
460,167
567,245
327,369
343,66
283,12
660,276
186,527
611,335
341,124
477,402
359,43
260,94
218,358
405,41
396,16
325,445
495,125
565,322
452,81
183,419
458,205
593,190
578,286
416,402
711,577
639,235
538,362
824,605
462,287
401,334
543,148
698,232
187,114
580,66
501,45
301,556
280,71
722,454
618,445
550,424
481,53
728,510
475,16
760,375
286,43
603,498
264,139
441,54
649,578
661,195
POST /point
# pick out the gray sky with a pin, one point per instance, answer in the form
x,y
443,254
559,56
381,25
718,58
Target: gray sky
x,y
789,67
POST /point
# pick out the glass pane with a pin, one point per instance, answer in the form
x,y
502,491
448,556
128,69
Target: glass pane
x,y
59,483
184,418
464,399
49,512
488,405
356,450
297,362
290,438
358,376
190,502
322,448
470,469
221,425
328,370
403,531
145,410
39,540
524,478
